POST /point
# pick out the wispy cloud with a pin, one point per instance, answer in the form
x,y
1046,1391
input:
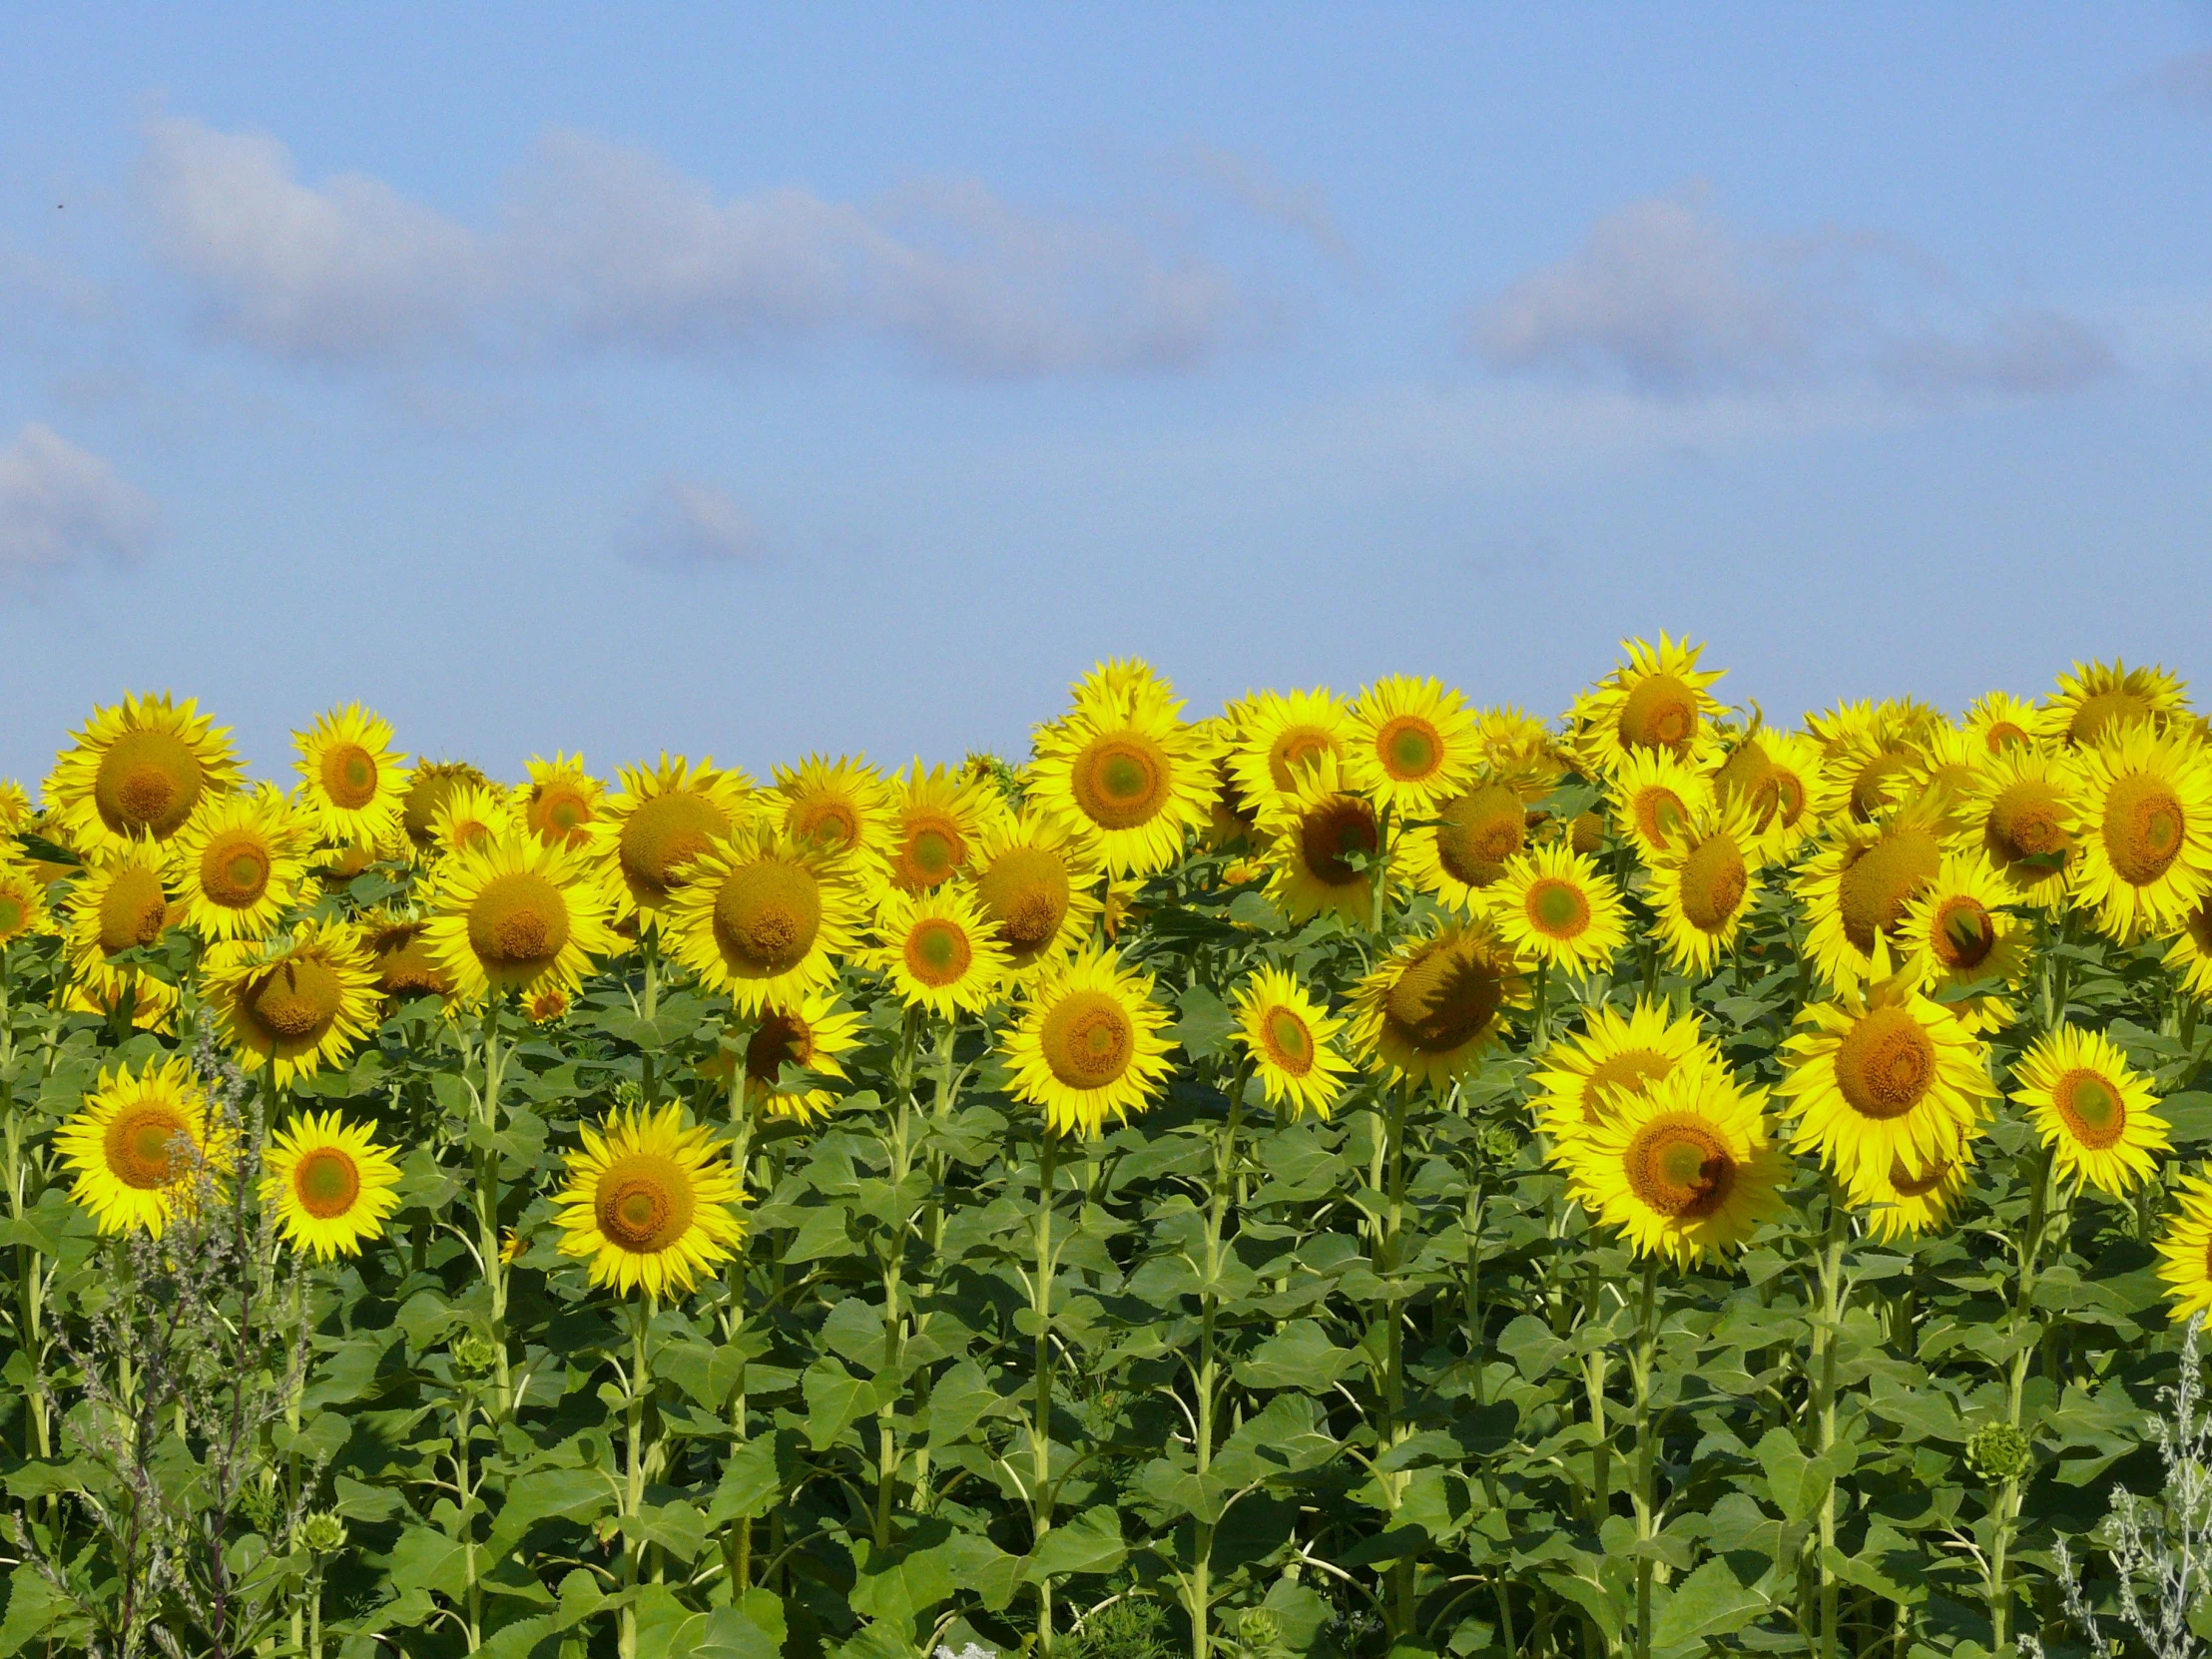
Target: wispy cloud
x,y
602,247
2185,82
1666,299
1252,186
61,506
681,524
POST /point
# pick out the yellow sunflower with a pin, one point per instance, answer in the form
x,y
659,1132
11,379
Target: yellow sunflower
x,y
766,917
2188,952
22,912
1554,905
1951,759
1856,890
1459,859
121,902
1278,736
2187,1248
1130,776
137,769
810,1036
1655,797
240,863
1685,1168
15,807
428,784
1412,744
1884,1078
1958,939
352,782
2024,816
472,815
1703,890
663,817
1315,832
2000,721
561,799
547,1005
1037,882
331,1185
299,1002
1870,757
1657,699
1437,1004
1088,1045
2093,1110
138,1143
153,1002
399,955
2145,855
651,1203
937,819
1906,1200
842,803
2100,700
519,913
1516,748
939,951
1613,1054
1291,1041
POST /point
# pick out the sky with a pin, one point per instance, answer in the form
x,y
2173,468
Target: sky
x,y
756,382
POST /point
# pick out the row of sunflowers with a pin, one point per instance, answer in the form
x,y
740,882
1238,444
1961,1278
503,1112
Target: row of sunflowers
x,y
1339,1176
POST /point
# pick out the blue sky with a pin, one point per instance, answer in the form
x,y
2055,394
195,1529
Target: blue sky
x,y
851,379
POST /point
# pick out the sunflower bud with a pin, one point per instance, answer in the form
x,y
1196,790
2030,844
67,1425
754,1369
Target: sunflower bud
x,y
1997,1453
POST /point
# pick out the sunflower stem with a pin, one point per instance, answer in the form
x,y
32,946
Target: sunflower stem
x,y
1826,1328
1391,1429
1647,1519
487,1203
2005,1499
1198,1587
1040,1421
633,1493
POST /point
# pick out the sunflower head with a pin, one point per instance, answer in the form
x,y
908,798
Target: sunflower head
x,y
517,913
1433,1008
664,817
1704,889
1412,744
1089,1045
2186,1249
331,1185
650,1202
137,770
2146,845
139,1142
1275,737
299,1002
22,912
1129,777
1655,796
2101,699
1037,882
560,802
352,784
1656,699
2093,1110
842,805
399,954
1323,843
1685,1168
804,1037
2000,722
240,863
1614,1054
939,951
1459,858
1554,905
428,784
765,918
1291,1041
936,817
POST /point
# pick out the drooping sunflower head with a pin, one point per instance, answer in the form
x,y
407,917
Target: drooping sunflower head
x,y
939,951
937,816
1614,1054
240,863
139,1144
353,782
2024,818
560,802
1323,840
1291,1039
650,1202
1909,1199
1655,796
1129,777
330,1184
299,1002
1556,906
1656,699
518,913
2092,1109
1037,879
766,917
428,784
2145,853
1413,743
137,770
1089,1045
809,1037
1956,937
2000,722
841,805
1461,856
1281,736
663,817
399,950
1437,1004
23,911
2100,700
2185,1249
1704,889
1856,890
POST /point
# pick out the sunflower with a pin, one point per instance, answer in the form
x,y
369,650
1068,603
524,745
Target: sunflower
x,y
1654,797
1037,882
1278,736
1088,1045
936,817
1291,1039
120,902
353,782
2000,721
1857,888
1516,748
1130,776
1884,1078
1782,797
1951,759
428,784
1124,682
1315,832
1657,699
2093,1110
939,951
2024,816
22,912
651,1203
808,1036
1614,1054
765,918
560,801
138,1143
1909,1199
2146,857
546,1005
1869,763
153,1002
1554,905
1956,938
330,1183
2186,1246
1703,891
472,815
664,817
518,914
15,807
2099,700
1685,1168
399,954
240,863
299,1002
1412,744
137,769
843,804
1459,858
1437,1004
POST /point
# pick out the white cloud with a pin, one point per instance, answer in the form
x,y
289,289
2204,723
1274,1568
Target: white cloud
x,y
1665,299
59,505
2184,82
1303,210
681,524
604,248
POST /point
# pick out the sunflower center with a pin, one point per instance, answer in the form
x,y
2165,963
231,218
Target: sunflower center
x,y
1445,997
766,915
348,775
826,820
1876,786
1661,713
1122,781
1680,1167
663,832
1295,748
1558,909
1882,880
937,952
933,849
327,1182
1342,824
1288,1043
1480,830
644,1203
404,965
138,1145
518,921
1713,882
2002,735
1965,932
560,813
2092,1108
2024,821
1661,816
12,913
1906,1183
2143,825
1885,1065
295,1001
1630,1072
1088,1039
1410,748
147,780
233,871
2103,709
132,910
1026,891
782,1039
432,784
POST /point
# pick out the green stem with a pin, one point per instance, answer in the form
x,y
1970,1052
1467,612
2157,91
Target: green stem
x,y
1825,1333
1040,1419
487,1205
2005,1498
633,1493
1198,1594
1647,1515
1392,1428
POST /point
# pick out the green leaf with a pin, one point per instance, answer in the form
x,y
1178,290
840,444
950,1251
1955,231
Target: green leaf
x,y
750,1487
1202,1030
581,1495
836,1398
1091,1543
1709,1604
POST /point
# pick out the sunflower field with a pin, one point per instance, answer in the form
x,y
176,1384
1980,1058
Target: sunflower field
x,y
1358,1178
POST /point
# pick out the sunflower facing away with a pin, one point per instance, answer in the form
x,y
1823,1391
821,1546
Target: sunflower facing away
x,y
2187,1250
137,769
332,1184
1132,776
1704,889
1684,1169
299,1002
651,1204
2098,700
2093,1110
2145,855
1037,882
136,1145
2023,816
518,914
1654,797
664,817
560,801
1316,831
240,863
809,1035
1657,699
1088,1046
1280,735
352,782
1437,1004
765,918
1857,888
1291,1041
939,951
843,805
1412,744
1554,905
1614,1054
937,819
1459,859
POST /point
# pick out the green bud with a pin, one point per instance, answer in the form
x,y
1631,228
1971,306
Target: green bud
x,y
474,1355
322,1533
1997,1453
